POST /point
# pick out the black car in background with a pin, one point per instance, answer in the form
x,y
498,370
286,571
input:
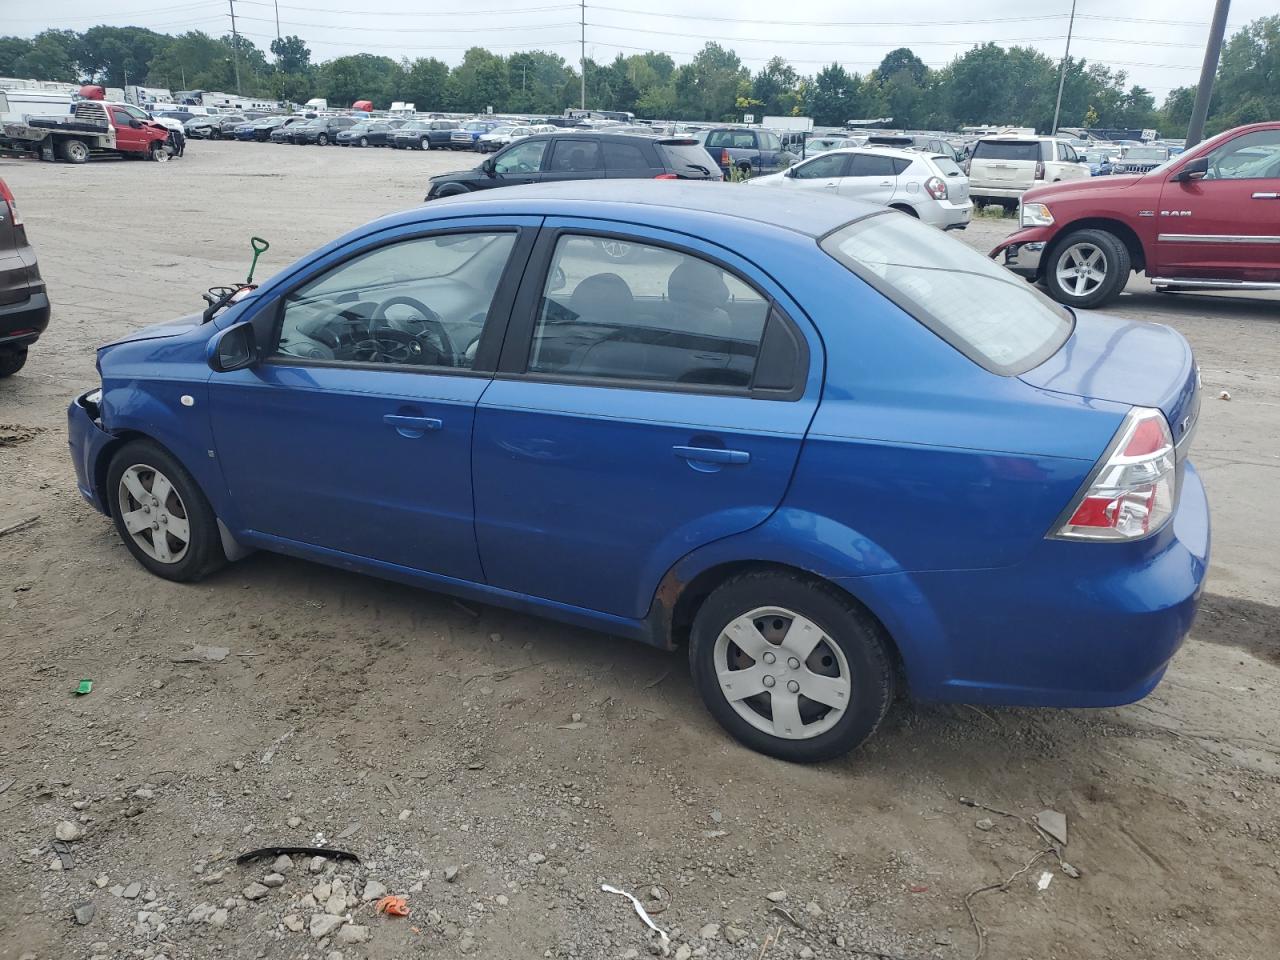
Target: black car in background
x,y
368,133
574,155
24,304
425,134
322,130
284,133
215,126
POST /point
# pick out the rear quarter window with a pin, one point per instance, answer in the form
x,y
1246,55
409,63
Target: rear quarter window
x,y
689,159
1028,150
948,167
991,316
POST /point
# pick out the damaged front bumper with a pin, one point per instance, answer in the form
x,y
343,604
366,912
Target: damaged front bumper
x,y
88,439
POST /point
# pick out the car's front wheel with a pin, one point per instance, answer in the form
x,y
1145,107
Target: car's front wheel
x,y
1087,269
790,667
161,514
323,139
364,141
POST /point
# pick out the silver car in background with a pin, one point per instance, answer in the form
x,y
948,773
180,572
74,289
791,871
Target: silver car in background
x,y
931,188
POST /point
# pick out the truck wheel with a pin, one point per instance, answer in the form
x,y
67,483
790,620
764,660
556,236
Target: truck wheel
x,y
158,152
75,151
11,361
1087,269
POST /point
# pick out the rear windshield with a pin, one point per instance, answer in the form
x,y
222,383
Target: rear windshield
x,y
947,166
1007,150
733,139
987,313
687,158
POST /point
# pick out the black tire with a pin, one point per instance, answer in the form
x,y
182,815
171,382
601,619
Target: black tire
x,y
860,639
364,141
74,151
323,139
11,361
1077,245
215,134
204,552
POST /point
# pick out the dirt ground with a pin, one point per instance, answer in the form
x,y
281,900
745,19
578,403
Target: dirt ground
x,y
497,769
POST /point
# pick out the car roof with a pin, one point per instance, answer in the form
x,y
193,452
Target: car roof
x,y
883,150
673,204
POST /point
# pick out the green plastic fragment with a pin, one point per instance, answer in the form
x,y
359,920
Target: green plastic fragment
x,y
85,687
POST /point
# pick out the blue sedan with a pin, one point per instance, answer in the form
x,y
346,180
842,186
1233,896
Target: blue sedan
x,y
832,451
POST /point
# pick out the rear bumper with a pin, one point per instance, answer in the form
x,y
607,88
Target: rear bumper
x,y
978,194
22,323
1075,625
946,214
87,441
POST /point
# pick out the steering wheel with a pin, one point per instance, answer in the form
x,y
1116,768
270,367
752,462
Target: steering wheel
x,y
430,322
389,345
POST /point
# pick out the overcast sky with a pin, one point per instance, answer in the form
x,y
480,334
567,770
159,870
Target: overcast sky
x,y
1160,43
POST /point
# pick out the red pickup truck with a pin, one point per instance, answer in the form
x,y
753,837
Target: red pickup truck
x,y
92,127
1207,219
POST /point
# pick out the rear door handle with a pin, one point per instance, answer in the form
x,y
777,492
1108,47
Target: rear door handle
x,y
712,454
412,427
1266,196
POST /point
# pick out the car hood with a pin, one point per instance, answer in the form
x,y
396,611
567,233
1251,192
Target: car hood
x,y
1074,188
473,172
158,331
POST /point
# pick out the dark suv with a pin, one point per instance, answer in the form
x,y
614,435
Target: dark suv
x,y
322,130
24,305
551,157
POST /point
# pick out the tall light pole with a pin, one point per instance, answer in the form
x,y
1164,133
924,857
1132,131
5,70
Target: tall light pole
x,y
582,59
1062,70
1212,50
235,45
277,5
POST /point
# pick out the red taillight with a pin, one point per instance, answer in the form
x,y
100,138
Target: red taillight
x,y
666,176
1133,493
6,197
1039,169
725,159
936,187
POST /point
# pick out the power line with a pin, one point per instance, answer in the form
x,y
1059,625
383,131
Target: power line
x,y
344,29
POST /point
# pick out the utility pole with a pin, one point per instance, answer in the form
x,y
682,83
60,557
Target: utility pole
x,y
277,4
1217,29
582,22
1062,70
235,45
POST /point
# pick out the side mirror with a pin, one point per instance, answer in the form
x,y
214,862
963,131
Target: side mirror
x,y
233,349
1192,170
135,123
489,166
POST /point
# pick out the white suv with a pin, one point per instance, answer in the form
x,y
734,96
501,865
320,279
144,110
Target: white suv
x,y
1002,169
931,188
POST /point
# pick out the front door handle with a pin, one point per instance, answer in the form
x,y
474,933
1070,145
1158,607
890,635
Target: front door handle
x,y
412,427
1266,196
712,454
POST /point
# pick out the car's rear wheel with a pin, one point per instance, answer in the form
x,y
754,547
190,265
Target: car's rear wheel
x,y
1087,268
364,141
161,514
790,667
75,151
323,139
11,361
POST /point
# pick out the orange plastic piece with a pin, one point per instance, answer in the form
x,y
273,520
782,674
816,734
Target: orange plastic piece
x,y
393,906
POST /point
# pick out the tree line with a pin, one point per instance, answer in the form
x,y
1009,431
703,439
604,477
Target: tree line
x,y
988,84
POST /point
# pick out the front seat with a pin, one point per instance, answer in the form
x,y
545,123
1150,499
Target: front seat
x,y
698,294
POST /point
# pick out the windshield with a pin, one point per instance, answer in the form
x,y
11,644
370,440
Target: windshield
x,y
416,125
987,313
1028,150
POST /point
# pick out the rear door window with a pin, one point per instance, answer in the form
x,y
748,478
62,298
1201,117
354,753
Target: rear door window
x,y
575,156
623,157
872,165
987,313
1028,150
661,316
821,167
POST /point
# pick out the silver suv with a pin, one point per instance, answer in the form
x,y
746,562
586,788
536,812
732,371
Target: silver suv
x,y
1001,169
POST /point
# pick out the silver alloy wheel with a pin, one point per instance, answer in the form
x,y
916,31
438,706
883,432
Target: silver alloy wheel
x,y
1081,269
77,151
153,513
782,674
615,249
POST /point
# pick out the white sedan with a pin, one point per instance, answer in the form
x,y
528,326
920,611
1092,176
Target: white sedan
x,y
931,188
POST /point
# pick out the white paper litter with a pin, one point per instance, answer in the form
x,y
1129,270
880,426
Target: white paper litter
x,y
1045,879
640,911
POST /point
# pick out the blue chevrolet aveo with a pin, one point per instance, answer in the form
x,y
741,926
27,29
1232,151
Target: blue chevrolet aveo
x,y
830,449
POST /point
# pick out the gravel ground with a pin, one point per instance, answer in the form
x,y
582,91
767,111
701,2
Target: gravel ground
x,y
495,769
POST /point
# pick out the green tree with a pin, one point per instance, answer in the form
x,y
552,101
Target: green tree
x,y
776,88
902,60
292,54
1175,114
707,88
425,83
478,82
361,76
